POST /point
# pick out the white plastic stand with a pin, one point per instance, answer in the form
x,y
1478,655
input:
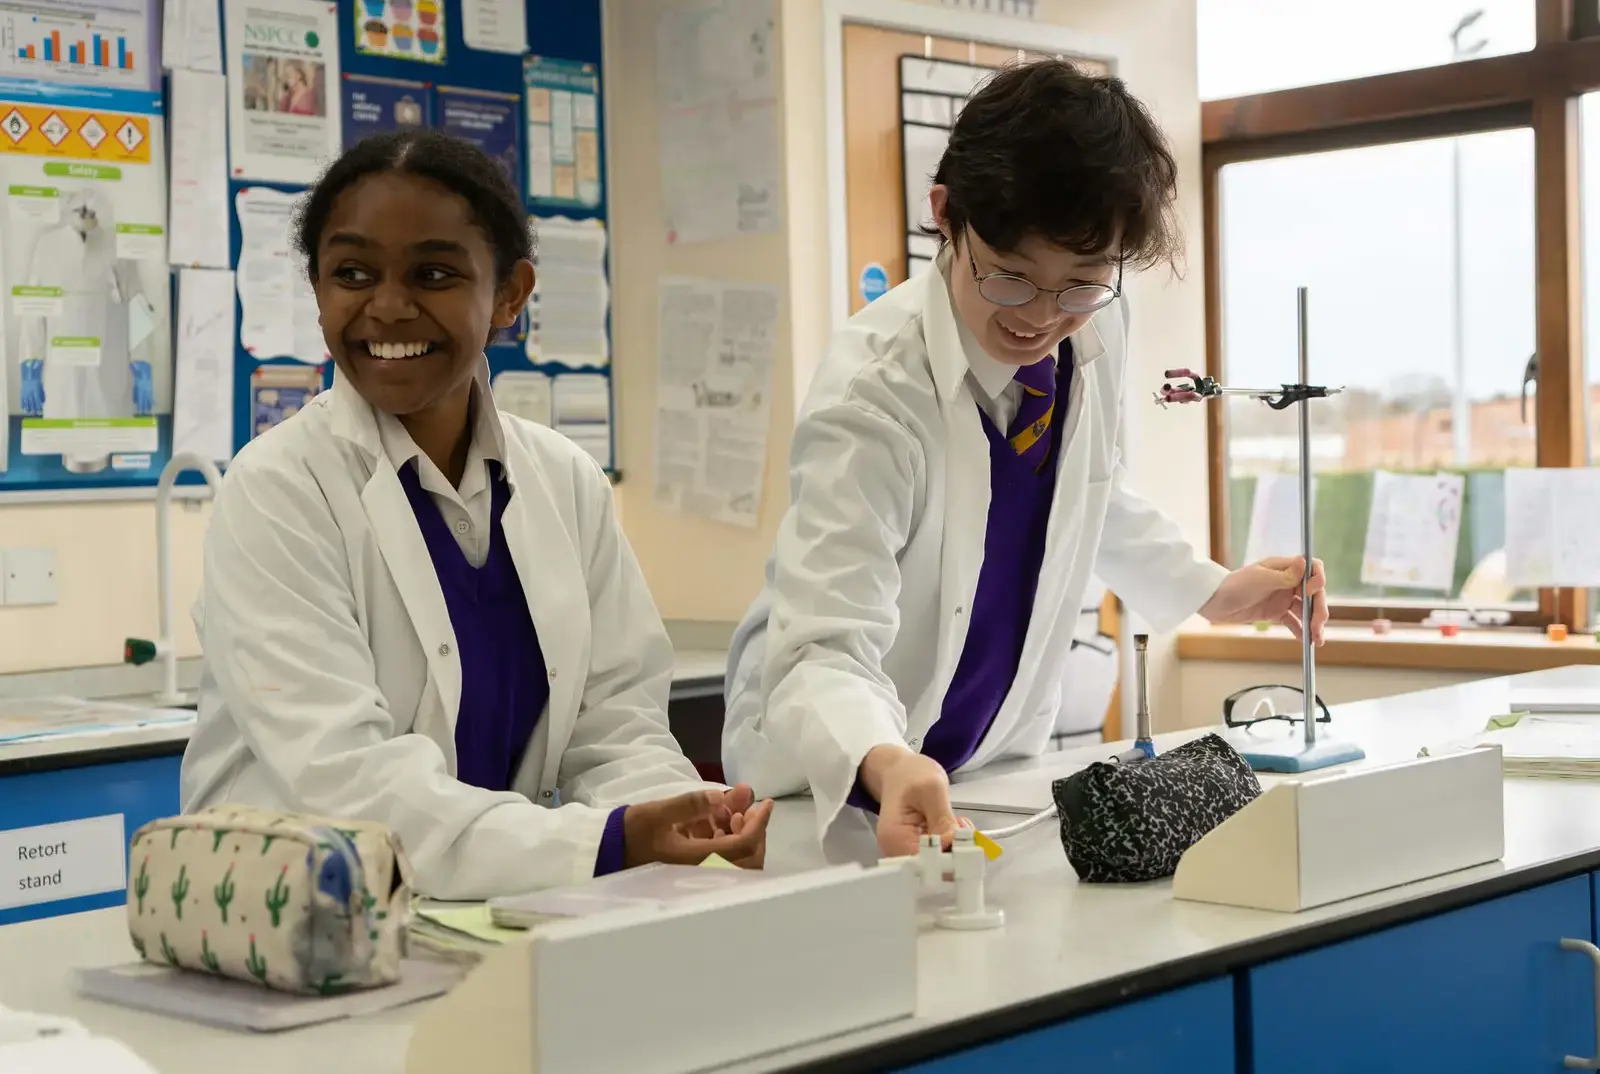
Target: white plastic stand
x,y
626,990
965,864
1306,843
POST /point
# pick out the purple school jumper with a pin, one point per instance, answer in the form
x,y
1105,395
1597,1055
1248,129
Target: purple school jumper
x,y
1022,481
505,685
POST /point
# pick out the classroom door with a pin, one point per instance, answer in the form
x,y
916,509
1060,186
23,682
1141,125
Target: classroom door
x,y
902,91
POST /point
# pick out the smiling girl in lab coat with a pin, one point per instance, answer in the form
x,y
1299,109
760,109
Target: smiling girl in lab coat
x,y
956,476
420,611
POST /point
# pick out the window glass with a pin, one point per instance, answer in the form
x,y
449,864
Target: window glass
x,y
1255,46
1419,263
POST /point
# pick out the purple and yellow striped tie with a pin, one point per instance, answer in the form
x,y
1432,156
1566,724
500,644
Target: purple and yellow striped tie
x,y
1030,429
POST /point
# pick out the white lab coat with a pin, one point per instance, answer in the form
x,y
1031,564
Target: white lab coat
x,y
97,289
854,639
332,680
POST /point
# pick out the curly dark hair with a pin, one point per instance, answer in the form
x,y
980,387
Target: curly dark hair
x,y
1043,148
454,164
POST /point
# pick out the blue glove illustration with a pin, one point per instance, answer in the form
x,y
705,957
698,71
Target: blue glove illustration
x,y
33,387
143,392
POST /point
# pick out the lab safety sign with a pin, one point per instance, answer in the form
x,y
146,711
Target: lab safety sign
x,y
86,365
74,133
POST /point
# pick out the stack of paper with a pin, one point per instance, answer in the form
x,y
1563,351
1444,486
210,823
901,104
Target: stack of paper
x,y
1562,747
465,932
458,933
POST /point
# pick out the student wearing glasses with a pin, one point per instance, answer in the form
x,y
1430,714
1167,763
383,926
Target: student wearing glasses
x,y
956,477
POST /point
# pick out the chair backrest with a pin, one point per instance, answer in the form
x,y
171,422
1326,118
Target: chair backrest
x,y
1090,677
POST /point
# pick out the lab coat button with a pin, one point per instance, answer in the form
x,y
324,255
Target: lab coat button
x,y
960,611
462,526
444,650
552,673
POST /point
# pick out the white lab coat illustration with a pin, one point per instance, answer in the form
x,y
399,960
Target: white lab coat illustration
x,y
854,639
332,681
97,288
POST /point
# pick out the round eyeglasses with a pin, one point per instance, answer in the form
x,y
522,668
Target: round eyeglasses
x,y
1005,289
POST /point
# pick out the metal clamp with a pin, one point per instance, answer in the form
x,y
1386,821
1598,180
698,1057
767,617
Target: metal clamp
x,y
1573,1062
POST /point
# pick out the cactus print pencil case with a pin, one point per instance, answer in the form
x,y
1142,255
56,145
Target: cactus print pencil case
x,y
299,904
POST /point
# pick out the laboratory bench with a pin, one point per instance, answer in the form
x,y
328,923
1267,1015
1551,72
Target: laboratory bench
x,y
133,773
1458,972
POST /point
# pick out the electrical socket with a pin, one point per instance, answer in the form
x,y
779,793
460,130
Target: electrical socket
x,y
30,576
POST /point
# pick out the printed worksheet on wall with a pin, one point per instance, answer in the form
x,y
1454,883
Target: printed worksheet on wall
x,y
719,120
713,398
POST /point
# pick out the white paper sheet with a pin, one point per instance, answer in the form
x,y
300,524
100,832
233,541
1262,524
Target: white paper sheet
x,y
495,25
1275,517
1412,530
719,129
582,412
525,393
1552,517
191,36
283,107
567,311
198,212
713,397
202,416
278,307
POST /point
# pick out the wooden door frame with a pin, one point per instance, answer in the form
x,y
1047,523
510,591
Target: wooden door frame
x,y
911,16
1009,32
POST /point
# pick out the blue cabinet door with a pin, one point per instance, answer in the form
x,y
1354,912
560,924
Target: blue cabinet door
x,y
138,791
1190,1029
1486,987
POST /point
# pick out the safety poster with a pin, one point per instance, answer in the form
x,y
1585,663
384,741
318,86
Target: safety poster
x,y
87,337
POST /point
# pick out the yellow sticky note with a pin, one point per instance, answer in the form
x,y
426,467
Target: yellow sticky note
x,y
716,861
991,849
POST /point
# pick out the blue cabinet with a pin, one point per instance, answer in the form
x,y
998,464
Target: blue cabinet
x,y
1190,1029
1486,987
136,790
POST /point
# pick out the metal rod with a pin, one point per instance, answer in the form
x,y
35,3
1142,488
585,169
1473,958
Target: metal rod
x,y
1140,645
1308,660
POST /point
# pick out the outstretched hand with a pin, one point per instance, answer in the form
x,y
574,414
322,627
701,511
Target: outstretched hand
x,y
688,829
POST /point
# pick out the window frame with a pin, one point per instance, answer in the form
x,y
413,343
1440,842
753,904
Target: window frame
x,y
1539,89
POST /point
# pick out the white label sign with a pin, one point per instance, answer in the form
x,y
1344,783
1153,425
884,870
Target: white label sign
x,y
141,242
38,301
62,861
75,350
38,205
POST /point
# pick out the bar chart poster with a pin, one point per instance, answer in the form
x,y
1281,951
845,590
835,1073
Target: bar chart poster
x,y
102,42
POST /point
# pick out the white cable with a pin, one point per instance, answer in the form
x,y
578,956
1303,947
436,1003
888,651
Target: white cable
x,y
1022,826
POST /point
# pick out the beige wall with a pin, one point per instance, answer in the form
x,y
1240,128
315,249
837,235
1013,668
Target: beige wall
x,y
697,569
105,581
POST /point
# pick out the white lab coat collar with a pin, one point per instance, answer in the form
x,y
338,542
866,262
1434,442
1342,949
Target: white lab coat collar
x,y
947,340
487,443
357,421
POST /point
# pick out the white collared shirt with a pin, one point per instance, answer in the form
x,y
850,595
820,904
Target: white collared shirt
x,y
467,510
993,382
